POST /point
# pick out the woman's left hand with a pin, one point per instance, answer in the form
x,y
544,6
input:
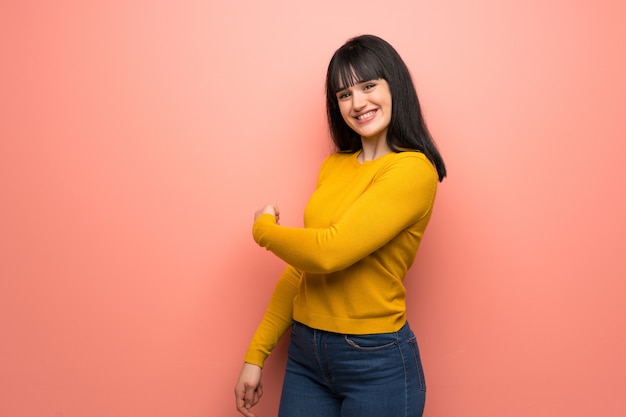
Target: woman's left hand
x,y
268,209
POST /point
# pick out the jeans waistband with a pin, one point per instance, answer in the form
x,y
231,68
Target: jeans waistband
x,y
405,329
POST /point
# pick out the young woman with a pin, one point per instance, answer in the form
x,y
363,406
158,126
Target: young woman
x,y
352,352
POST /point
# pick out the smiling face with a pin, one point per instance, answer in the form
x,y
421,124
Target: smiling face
x,y
366,108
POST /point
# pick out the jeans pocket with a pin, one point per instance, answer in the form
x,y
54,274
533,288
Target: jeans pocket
x,y
418,363
371,342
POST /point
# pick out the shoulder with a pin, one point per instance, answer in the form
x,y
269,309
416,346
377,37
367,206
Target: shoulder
x,y
409,172
411,162
337,159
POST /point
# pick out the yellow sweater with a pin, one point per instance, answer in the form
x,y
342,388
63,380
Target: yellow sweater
x,y
363,225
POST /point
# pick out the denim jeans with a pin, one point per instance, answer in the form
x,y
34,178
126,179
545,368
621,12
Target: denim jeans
x,y
338,375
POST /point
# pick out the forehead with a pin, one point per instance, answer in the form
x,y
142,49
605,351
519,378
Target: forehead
x,y
347,78
350,75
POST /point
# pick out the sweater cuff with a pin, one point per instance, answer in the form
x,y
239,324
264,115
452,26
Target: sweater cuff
x,y
260,225
255,357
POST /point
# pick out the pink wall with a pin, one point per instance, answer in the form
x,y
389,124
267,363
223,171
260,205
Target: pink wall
x,y
137,138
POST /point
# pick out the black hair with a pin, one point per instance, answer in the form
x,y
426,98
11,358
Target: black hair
x,y
366,58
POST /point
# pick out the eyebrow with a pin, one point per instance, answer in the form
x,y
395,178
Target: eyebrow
x,y
356,83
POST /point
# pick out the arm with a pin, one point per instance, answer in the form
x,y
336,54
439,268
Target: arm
x,y
276,321
397,198
277,318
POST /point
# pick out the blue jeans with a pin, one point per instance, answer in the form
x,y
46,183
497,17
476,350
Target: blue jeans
x,y
338,375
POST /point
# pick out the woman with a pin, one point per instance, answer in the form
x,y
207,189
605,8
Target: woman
x,y
352,352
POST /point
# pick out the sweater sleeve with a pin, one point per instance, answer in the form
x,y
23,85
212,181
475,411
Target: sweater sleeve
x,y
277,318
398,197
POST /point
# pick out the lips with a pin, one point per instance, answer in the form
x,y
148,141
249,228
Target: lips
x,y
366,116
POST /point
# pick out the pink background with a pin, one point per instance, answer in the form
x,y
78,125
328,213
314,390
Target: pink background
x,y
138,137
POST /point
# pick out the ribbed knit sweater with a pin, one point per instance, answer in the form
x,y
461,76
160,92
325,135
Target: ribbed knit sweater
x,y
346,266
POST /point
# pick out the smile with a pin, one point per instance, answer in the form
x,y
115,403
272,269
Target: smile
x,y
366,115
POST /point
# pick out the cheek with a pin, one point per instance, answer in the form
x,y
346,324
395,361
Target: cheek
x,y
345,112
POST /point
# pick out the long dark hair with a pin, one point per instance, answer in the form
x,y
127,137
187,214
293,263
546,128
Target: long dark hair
x,y
369,57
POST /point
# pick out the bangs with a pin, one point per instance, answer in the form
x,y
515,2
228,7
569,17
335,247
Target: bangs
x,y
352,66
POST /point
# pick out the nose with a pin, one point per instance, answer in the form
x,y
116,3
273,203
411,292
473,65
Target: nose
x,y
358,101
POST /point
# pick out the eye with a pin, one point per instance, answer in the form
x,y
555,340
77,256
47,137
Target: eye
x,y
369,86
342,95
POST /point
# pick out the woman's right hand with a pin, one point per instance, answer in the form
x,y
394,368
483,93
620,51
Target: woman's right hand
x,y
248,390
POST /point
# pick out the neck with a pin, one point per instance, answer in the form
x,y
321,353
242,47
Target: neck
x,y
373,150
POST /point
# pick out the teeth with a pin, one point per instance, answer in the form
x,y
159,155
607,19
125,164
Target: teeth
x,y
366,115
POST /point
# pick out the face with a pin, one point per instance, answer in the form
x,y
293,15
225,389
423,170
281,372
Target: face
x,y
366,108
